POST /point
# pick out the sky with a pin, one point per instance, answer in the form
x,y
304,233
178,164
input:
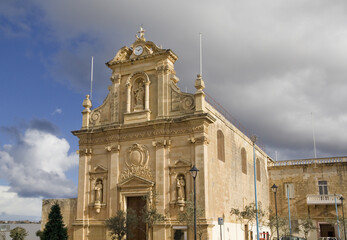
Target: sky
x,y
277,66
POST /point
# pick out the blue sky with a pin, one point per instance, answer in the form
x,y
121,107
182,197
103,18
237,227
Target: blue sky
x,y
270,64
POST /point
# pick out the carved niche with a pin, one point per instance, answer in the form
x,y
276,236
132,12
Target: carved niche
x,y
179,180
98,181
137,162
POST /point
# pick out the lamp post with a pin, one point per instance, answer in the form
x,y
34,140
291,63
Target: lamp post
x,y
343,218
274,189
194,172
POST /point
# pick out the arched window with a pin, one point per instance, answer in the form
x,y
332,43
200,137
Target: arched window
x,y
244,160
258,169
220,145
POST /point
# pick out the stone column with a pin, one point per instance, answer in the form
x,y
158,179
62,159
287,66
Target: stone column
x,y
83,189
162,183
147,95
113,176
116,96
163,78
128,96
201,162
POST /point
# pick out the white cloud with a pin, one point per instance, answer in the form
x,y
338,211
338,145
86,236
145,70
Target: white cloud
x,y
57,111
35,166
270,63
12,204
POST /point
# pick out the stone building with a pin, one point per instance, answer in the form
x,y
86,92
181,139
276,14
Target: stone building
x,y
312,185
145,138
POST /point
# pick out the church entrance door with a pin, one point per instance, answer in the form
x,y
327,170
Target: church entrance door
x,y
137,204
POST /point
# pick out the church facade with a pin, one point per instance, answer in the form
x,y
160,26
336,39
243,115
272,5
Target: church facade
x,y
136,150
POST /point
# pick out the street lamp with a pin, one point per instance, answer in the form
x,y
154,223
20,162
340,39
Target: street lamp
x,y
343,217
194,172
274,189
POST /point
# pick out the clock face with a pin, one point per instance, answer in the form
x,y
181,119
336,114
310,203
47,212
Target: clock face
x,y
138,50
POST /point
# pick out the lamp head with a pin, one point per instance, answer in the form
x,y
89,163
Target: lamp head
x,y
341,198
274,188
194,171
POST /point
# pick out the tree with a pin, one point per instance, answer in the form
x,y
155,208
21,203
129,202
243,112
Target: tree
x,y
18,233
306,225
247,216
150,213
282,225
39,234
120,225
187,216
55,228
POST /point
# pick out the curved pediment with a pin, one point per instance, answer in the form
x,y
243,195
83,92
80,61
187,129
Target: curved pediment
x,y
146,49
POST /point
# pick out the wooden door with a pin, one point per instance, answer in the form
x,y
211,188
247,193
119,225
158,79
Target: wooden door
x,y
137,204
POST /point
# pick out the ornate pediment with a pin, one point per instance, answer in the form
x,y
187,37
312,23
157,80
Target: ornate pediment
x,y
136,181
99,169
180,164
140,49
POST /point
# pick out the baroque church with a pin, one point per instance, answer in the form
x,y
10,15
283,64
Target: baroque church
x,y
136,150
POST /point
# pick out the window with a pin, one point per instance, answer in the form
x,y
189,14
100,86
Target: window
x,y
244,160
258,169
323,187
220,145
289,187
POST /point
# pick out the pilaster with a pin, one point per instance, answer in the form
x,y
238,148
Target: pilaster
x,y
162,173
113,176
201,162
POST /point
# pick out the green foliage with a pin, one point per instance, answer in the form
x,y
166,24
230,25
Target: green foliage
x,y
120,225
18,233
39,234
187,216
55,228
306,225
150,213
282,225
247,216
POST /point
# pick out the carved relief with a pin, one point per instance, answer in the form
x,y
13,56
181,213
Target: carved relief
x,y
181,187
139,95
181,102
98,191
136,162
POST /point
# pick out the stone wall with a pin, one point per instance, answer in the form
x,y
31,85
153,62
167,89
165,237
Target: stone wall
x,y
304,178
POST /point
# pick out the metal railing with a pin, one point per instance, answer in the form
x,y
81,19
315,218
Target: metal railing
x,y
313,199
232,120
309,161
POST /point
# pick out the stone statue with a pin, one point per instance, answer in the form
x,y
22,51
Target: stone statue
x,y
98,191
139,94
181,185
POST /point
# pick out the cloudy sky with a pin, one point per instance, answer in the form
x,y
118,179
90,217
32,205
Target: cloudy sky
x,y
270,63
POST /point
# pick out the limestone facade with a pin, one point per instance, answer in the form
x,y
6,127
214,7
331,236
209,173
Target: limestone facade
x,y
145,138
313,185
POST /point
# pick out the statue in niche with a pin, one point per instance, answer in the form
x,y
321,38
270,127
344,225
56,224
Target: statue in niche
x,y
181,187
139,94
98,191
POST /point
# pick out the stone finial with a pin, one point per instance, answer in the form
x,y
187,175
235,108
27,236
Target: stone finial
x,y
199,83
87,104
142,34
